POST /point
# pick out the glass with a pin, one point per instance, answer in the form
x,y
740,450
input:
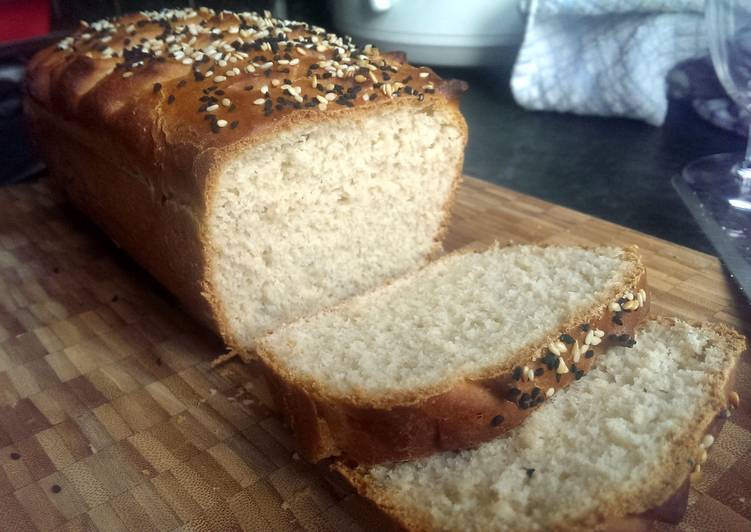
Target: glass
x,y
729,35
717,188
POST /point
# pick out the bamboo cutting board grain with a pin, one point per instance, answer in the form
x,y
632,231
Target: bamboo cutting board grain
x,y
111,417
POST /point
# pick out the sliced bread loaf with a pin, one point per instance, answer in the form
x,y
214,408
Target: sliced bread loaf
x,y
617,443
452,355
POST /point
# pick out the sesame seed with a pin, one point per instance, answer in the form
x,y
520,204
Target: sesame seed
x,y
267,65
294,61
321,99
127,74
359,78
550,392
424,74
250,68
260,101
264,89
707,441
275,82
703,456
734,399
562,367
614,307
221,123
330,96
322,106
226,102
187,61
212,107
219,79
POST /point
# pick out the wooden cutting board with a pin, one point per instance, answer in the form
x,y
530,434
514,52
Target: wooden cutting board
x,y
112,418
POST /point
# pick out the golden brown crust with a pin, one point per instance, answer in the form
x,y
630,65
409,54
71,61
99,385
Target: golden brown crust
x,y
456,414
116,99
630,509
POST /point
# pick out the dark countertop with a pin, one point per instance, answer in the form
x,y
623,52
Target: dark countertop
x,y
615,169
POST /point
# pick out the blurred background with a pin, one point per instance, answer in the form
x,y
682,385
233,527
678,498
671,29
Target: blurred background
x,y
533,127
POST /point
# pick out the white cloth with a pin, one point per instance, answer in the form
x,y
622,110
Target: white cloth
x,y
605,57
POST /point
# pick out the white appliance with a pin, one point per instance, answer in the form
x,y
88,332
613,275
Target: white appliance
x,y
437,32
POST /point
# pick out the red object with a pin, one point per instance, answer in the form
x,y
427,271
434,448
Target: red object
x,y
22,19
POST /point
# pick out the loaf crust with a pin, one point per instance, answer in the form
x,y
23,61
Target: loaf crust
x,y
662,498
365,430
135,142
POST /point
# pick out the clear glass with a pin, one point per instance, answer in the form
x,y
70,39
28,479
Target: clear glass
x,y
729,36
717,189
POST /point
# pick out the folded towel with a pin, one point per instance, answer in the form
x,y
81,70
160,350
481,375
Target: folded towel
x,y
605,57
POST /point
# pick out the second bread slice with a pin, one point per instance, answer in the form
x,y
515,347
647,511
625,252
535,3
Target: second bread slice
x,y
452,355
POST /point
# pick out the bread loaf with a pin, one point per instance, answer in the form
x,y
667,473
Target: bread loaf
x,y
604,452
261,169
454,354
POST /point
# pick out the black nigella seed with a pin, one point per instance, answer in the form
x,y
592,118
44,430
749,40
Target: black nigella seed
x,y
517,374
233,124
220,92
214,126
170,99
557,377
496,421
157,87
574,369
622,300
535,392
567,339
513,393
55,270
550,360
56,488
539,372
525,401
182,83
584,327
618,318
115,298
578,374
15,456
530,472
248,88
589,354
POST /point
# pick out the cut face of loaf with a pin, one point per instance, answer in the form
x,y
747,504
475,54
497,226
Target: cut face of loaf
x,y
327,210
454,354
618,442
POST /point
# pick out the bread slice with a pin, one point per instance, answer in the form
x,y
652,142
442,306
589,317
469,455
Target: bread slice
x,y
454,354
619,442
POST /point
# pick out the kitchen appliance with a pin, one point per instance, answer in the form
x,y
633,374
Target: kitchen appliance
x,y
443,32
